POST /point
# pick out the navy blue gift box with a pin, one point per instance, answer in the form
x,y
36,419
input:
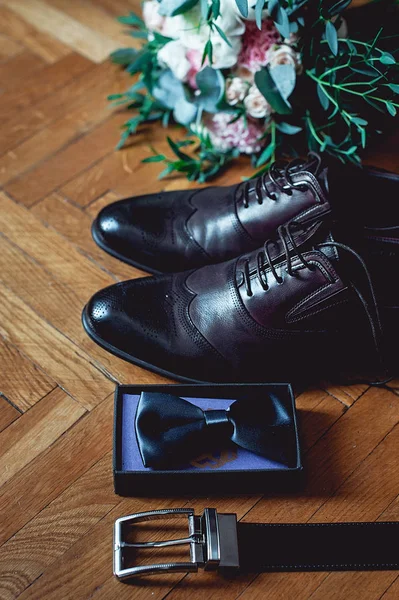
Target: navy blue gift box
x,y
228,470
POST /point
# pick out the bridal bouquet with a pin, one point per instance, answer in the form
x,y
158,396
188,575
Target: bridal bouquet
x,y
258,77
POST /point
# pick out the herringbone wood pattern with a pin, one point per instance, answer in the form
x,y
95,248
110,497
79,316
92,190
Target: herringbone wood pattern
x,y
57,169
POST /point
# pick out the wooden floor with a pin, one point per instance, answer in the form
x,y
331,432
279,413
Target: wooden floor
x,y
57,169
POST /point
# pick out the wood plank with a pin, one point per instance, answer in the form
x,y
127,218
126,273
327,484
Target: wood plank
x,y
317,412
370,489
52,138
92,15
70,366
121,7
8,412
38,484
35,431
75,225
45,538
91,44
65,164
335,457
22,382
94,208
28,280
78,92
18,69
8,47
392,593
348,394
103,176
52,77
51,250
356,586
45,46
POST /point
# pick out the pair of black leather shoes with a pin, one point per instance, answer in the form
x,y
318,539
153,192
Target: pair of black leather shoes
x,y
290,276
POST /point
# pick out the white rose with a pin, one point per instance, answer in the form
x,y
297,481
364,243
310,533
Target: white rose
x,y
236,90
284,55
190,29
152,19
173,55
256,104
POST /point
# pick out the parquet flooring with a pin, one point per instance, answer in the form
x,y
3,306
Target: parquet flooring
x,y
57,169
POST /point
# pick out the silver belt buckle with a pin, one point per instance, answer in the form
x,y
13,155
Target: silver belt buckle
x,y
212,539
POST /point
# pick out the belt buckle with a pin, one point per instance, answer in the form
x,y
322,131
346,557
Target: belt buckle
x,y
212,538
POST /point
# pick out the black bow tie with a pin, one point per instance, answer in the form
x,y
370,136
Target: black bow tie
x,y
172,431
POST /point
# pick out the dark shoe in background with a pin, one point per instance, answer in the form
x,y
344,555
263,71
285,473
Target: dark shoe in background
x,y
181,230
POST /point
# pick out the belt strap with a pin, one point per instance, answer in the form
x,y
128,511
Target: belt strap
x,y
318,546
217,541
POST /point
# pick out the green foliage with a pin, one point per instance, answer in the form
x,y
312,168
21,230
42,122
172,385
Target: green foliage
x,y
347,90
200,166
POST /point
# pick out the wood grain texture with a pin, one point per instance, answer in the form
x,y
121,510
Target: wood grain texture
x,y
61,167
75,225
22,382
91,44
8,47
52,77
8,413
21,32
58,169
14,71
35,431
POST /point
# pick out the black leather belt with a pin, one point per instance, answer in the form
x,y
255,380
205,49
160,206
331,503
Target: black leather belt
x,y
217,541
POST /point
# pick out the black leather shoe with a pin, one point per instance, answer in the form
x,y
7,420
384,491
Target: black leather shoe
x,y
176,231
275,314
381,253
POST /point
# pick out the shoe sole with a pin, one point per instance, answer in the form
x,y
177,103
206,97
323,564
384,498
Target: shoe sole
x,y
96,237
135,361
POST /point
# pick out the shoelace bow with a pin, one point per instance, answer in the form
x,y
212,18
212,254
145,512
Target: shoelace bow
x,y
280,175
264,261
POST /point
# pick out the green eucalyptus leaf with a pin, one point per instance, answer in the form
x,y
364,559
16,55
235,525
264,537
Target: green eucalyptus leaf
x,y
204,9
141,35
387,59
375,105
185,111
132,19
285,79
143,58
210,83
208,52
170,92
394,87
222,34
174,146
338,7
362,136
324,100
268,87
265,155
259,6
160,39
288,129
242,7
215,8
171,8
391,108
332,37
359,121
154,159
124,56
